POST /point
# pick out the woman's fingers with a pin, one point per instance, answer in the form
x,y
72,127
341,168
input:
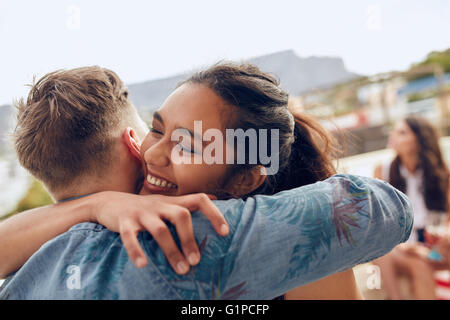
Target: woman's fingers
x,y
202,202
160,232
177,211
128,233
180,217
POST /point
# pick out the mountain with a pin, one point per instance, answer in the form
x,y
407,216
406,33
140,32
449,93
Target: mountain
x,y
149,95
296,75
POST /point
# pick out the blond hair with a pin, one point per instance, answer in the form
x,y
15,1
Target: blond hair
x,y
64,128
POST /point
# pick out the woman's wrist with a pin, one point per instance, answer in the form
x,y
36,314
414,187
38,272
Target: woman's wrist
x,y
83,209
93,205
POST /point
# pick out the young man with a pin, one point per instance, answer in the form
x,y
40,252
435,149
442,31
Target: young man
x,y
81,142
78,133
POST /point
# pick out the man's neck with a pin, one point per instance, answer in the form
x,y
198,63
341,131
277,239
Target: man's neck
x,y
78,192
78,189
124,177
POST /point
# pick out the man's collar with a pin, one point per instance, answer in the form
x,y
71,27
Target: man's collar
x,y
74,198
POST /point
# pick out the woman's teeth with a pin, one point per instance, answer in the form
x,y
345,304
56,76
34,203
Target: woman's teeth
x,y
160,182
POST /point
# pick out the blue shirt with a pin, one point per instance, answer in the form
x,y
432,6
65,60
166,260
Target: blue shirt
x,y
276,243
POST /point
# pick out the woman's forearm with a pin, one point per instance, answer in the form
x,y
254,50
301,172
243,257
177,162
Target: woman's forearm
x,y
24,233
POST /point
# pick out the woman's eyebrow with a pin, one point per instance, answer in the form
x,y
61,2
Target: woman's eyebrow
x,y
157,116
195,135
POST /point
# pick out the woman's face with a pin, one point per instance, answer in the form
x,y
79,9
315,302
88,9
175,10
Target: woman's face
x,y
186,173
402,139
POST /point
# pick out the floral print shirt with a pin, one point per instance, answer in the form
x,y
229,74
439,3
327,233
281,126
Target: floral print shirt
x,y
276,243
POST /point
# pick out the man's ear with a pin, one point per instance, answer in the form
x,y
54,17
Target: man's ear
x,y
248,181
132,142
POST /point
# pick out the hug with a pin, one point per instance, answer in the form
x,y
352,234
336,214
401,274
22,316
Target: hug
x,y
135,219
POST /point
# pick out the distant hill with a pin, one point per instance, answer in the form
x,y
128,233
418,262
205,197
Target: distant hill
x,y
149,95
296,75
433,59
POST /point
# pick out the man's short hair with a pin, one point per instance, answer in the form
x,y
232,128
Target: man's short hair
x,y
65,128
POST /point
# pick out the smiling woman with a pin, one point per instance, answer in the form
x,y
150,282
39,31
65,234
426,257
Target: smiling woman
x,y
230,110
234,101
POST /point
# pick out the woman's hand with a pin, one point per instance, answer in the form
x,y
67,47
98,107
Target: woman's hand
x,y
421,251
129,214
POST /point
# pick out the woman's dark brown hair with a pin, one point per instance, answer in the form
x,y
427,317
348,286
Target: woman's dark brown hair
x,y
435,172
305,147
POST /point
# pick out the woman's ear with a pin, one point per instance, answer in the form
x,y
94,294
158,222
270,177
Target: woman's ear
x,y
247,181
132,142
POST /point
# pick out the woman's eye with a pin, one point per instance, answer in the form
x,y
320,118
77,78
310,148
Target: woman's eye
x,y
153,130
187,149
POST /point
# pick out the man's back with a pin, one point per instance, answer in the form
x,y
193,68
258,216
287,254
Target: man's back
x,y
90,262
275,244
88,253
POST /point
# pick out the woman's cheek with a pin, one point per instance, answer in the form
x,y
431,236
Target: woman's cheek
x,y
202,177
188,178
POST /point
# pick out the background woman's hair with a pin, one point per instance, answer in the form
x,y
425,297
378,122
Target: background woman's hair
x,y
306,149
435,172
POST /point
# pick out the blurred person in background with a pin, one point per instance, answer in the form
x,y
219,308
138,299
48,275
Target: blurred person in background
x,y
419,170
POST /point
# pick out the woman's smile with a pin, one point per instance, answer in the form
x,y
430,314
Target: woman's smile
x,y
157,184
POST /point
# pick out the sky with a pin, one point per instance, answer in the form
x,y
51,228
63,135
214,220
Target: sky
x,y
144,40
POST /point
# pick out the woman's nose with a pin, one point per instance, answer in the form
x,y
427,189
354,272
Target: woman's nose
x,y
157,154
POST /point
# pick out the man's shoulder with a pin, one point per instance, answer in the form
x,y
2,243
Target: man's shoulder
x,y
82,232
80,236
